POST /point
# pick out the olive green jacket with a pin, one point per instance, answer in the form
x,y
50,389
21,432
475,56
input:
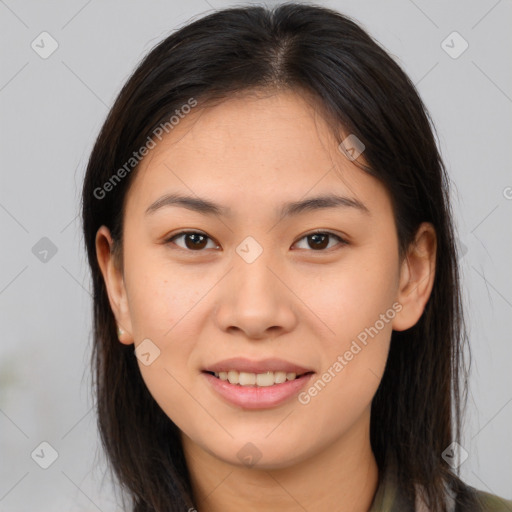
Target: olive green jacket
x,y
388,498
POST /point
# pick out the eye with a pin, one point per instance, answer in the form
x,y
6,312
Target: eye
x,y
194,240
319,240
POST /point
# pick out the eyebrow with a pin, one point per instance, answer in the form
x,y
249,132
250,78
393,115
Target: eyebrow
x,y
207,207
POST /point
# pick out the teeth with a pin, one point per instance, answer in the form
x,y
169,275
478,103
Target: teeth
x,y
253,379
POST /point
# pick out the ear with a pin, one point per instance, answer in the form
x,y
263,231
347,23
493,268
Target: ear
x,y
114,282
417,274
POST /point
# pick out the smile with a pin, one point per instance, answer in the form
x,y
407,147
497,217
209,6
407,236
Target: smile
x,y
250,394
256,379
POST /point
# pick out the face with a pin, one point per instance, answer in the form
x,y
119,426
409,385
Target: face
x,y
318,286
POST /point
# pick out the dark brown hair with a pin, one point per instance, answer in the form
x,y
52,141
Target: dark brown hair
x,y
416,412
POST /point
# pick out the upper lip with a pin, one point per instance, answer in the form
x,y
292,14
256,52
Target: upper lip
x,y
242,364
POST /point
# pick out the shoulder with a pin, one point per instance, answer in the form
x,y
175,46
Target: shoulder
x,y
481,501
492,503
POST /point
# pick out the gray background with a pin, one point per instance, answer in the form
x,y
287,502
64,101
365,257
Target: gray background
x,y
51,111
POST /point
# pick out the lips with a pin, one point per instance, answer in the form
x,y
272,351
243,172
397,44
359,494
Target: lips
x,y
255,397
241,364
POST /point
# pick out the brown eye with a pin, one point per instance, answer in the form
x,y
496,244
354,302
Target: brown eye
x,y
319,240
193,240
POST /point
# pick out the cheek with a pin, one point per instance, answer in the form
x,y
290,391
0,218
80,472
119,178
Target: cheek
x,y
162,302
356,301
351,295
160,297
355,356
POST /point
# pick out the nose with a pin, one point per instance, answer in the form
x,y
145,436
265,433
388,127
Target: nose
x,y
257,300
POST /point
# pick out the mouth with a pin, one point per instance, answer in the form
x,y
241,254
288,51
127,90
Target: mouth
x,y
256,384
253,391
249,379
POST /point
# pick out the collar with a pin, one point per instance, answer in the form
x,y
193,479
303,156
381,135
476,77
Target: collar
x,y
390,498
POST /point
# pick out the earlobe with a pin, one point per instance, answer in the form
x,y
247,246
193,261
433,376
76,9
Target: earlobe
x,y
124,337
114,283
417,276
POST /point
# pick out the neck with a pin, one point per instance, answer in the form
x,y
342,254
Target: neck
x,y
342,477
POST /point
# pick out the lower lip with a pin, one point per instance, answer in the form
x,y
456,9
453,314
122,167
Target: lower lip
x,y
255,397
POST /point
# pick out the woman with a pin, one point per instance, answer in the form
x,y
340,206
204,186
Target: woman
x,y
277,314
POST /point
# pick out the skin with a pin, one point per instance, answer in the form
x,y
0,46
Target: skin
x,y
252,153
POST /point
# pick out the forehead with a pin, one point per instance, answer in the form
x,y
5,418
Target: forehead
x,y
251,151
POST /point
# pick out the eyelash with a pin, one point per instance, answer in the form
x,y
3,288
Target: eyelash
x,y
341,241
